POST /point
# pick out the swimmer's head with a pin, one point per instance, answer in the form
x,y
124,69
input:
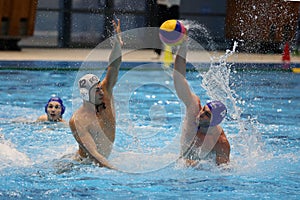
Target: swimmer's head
x,y
218,110
55,109
85,84
56,99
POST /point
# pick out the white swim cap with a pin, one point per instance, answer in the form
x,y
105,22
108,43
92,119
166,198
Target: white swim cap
x,y
85,83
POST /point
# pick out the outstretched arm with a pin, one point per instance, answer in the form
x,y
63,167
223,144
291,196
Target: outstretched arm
x,y
115,59
181,85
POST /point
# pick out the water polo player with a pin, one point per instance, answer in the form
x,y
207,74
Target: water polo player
x,y
54,110
94,124
202,134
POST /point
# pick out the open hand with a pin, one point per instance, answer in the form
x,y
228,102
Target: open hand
x,y
118,31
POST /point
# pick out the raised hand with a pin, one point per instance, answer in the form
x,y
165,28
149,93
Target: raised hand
x,y
118,31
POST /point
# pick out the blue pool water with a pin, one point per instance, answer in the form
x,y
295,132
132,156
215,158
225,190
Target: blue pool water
x,y
262,127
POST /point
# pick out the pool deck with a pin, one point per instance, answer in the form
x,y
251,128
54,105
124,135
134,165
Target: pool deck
x,y
129,55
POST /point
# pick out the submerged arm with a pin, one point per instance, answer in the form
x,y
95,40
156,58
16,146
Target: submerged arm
x,y
86,142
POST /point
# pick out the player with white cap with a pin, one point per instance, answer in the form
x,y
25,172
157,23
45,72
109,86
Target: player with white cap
x,y
94,124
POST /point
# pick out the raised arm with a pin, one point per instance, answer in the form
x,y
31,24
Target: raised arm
x,y
181,85
115,59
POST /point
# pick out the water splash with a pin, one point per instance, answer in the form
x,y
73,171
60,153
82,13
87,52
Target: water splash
x,y
246,145
10,156
201,34
216,81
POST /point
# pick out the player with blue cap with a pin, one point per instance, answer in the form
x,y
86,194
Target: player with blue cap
x,y
218,110
202,134
54,110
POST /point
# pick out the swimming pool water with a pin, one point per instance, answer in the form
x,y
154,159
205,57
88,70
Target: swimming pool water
x,y
265,141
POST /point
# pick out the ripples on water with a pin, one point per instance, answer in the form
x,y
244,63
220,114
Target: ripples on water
x,y
264,138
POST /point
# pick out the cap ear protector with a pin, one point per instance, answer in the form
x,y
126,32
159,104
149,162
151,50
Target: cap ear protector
x,y
85,84
218,110
57,99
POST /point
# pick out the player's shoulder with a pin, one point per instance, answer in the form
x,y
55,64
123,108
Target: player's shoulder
x,y
42,118
222,137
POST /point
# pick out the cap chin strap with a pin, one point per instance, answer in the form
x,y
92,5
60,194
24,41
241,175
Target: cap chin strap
x,y
84,93
100,106
97,106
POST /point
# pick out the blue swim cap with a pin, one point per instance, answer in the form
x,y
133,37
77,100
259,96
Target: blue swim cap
x,y
218,110
57,99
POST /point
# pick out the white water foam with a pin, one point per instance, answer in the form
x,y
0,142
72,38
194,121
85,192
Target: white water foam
x,y
245,141
10,156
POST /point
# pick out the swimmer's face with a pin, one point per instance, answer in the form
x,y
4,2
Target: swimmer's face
x,y
54,111
97,94
204,117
